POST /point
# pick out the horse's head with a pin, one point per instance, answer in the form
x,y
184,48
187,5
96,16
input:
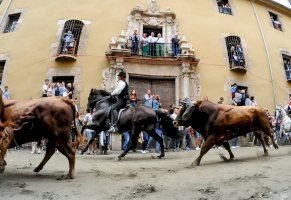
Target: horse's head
x,y
95,96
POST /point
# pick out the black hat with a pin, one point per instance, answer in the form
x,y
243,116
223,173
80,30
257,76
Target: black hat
x,y
122,74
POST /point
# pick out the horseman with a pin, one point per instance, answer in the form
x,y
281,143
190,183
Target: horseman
x,y
121,91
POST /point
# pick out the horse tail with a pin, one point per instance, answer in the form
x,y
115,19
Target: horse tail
x,y
79,138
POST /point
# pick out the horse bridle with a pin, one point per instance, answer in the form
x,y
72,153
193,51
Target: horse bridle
x,y
96,100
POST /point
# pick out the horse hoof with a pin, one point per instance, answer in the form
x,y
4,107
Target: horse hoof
x,y
65,177
117,159
266,154
194,164
37,169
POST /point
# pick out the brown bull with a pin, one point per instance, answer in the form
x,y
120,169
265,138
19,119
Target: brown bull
x,y
219,123
49,118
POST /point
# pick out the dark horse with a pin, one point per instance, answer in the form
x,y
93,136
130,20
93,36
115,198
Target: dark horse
x,y
132,119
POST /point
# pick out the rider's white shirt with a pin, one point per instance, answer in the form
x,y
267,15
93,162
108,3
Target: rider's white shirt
x,y
120,86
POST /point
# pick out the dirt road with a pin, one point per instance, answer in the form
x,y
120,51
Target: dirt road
x,y
251,176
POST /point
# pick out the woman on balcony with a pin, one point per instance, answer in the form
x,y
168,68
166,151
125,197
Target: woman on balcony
x,y
144,45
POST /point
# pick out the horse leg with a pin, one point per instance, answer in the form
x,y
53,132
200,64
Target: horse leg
x,y
262,140
69,152
227,147
132,143
90,142
207,145
50,150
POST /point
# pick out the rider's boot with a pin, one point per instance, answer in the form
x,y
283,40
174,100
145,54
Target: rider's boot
x,y
114,118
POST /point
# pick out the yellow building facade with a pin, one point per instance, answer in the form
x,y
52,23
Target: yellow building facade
x,y
32,32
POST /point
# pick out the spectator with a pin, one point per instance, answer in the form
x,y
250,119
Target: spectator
x,y
144,45
62,89
160,48
156,102
180,129
134,42
254,102
248,101
50,91
88,132
152,44
71,89
233,89
45,88
148,99
69,42
57,89
6,93
221,99
126,139
240,55
175,45
104,142
133,98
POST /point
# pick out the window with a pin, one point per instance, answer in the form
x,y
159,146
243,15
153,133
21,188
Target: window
x,y
224,7
235,52
275,21
287,66
71,37
65,79
12,23
239,94
2,66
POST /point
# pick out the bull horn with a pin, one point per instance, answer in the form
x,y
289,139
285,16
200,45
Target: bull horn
x,y
20,127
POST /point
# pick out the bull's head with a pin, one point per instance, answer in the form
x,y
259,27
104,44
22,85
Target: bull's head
x,y
185,113
6,136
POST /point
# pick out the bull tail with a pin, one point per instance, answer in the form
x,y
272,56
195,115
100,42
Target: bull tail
x,y
79,138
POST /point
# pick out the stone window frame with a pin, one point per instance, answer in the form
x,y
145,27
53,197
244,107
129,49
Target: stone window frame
x,y
230,82
72,71
248,63
20,11
82,42
281,53
279,16
231,4
4,57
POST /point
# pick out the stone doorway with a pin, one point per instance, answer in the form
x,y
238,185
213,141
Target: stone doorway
x,y
164,87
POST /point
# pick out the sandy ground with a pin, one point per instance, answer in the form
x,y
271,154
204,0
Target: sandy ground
x,y
138,176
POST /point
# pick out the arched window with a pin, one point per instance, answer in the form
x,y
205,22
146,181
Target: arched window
x,y
235,52
71,37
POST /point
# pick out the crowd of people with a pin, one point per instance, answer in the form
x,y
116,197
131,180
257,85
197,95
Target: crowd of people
x,y
236,56
152,45
61,89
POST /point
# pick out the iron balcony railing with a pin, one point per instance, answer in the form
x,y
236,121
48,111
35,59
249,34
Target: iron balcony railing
x,y
147,49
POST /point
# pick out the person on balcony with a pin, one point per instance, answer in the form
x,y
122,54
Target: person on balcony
x,y
240,55
175,45
144,45
152,44
69,42
134,42
160,47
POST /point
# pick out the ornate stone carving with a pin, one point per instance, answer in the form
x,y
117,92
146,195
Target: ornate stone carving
x,y
196,83
153,6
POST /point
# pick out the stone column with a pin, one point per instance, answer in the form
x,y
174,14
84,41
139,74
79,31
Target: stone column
x,y
186,79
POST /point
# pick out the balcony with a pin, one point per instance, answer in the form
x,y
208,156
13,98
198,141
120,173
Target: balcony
x,y
67,54
237,64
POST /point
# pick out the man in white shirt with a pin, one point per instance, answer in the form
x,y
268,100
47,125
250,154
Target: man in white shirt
x,y
152,44
121,91
88,132
160,46
45,88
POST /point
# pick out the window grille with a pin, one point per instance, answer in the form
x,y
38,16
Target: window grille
x,y
275,21
71,37
2,66
224,7
235,51
287,66
12,23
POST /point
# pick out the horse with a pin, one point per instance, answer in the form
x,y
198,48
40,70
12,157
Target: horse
x,y
133,119
281,115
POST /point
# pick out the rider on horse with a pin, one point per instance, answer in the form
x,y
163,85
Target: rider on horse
x,y
121,91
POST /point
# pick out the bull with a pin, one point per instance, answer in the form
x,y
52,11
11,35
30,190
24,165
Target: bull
x,y
219,123
50,118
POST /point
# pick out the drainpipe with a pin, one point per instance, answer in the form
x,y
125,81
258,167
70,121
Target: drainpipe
x,y
268,55
5,12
